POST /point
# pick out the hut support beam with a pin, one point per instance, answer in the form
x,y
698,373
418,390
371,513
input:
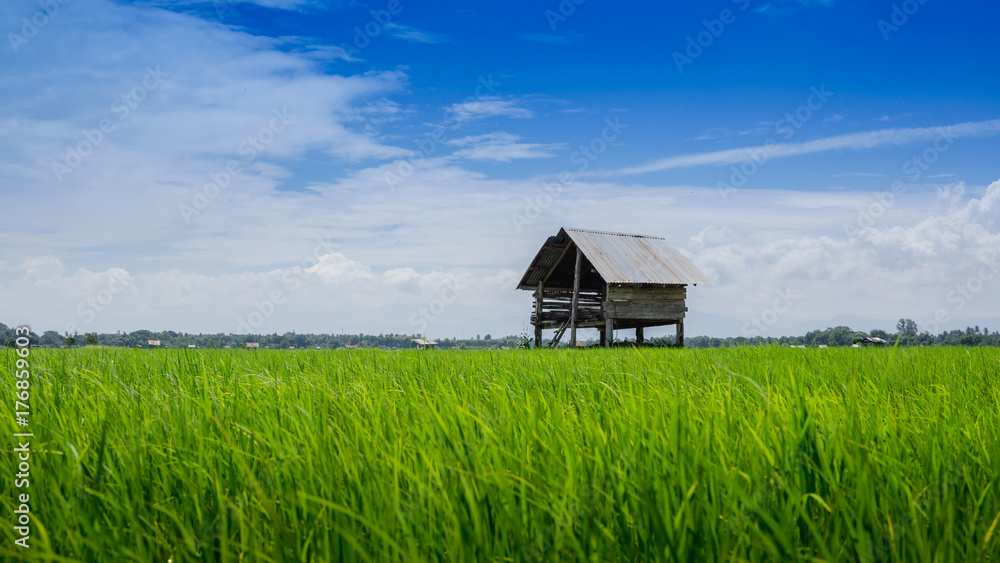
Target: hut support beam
x,y
639,337
576,297
680,333
538,314
609,332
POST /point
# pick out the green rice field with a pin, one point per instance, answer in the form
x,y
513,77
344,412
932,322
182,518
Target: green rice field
x,y
742,454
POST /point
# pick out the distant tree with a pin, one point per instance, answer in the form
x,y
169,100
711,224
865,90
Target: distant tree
x,y
879,333
70,341
91,339
841,336
51,338
906,327
487,337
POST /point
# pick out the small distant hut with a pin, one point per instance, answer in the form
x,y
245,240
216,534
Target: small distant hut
x,y
872,341
423,343
608,281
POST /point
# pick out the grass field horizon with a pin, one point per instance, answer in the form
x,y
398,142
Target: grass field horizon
x,y
745,454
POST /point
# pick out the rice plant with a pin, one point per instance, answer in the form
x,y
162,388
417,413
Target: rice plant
x,y
744,454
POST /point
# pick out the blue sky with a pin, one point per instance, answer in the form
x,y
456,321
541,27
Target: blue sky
x,y
278,165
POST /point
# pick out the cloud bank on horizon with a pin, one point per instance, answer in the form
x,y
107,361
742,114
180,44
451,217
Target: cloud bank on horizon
x,y
212,167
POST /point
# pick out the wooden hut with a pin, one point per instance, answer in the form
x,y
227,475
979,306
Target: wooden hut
x,y
596,279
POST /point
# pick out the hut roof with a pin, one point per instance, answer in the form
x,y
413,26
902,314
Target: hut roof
x,y
616,257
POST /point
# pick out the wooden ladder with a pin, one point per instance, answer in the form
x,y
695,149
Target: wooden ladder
x,y
558,335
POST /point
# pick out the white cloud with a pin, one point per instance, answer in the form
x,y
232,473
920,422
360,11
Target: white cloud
x,y
304,47
855,141
760,241
489,106
901,270
414,34
215,88
222,7
714,134
886,118
502,147
345,289
40,268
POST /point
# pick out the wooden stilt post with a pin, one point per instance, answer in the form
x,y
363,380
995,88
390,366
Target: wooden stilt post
x,y
639,337
680,333
576,298
609,332
539,293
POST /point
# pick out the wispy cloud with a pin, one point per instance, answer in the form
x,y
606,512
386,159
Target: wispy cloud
x,y
719,133
489,107
885,118
856,141
502,147
417,35
715,134
222,6
307,48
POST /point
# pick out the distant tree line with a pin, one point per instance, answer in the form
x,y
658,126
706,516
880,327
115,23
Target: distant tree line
x,y
906,335
171,339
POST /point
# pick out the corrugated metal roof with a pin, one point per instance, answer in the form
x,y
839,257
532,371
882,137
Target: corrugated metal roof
x,y
618,258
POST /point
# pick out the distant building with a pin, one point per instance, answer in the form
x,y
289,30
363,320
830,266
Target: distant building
x,y
872,341
423,343
351,346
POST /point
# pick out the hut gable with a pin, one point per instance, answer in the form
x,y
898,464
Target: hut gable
x,y
588,278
